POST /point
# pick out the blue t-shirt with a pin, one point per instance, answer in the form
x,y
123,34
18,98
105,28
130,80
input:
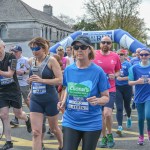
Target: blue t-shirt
x,y
135,60
81,84
142,91
123,73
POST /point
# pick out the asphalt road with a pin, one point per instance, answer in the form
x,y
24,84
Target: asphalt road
x,y
22,139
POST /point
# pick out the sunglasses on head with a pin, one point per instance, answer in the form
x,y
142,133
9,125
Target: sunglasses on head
x,y
35,48
106,42
144,55
60,50
82,47
121,54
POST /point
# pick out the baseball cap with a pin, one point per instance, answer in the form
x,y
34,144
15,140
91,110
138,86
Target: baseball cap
x,y
16,48
83,40
123,51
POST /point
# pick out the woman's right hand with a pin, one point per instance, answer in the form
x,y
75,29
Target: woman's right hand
x,y
29,80
61,106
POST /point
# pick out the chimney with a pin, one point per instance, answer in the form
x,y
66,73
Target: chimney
x,y
48,9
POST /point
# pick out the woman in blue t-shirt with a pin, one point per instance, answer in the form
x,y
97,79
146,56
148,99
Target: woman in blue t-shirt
x,y
123,93
87,89
139,75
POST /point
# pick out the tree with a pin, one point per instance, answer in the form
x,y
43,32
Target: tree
x,y
67,20
113,14
84,25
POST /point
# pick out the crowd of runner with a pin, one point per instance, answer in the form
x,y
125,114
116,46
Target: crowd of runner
x,y
86,85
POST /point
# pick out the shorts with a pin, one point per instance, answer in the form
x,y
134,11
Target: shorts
x,y
9,103
49,108
25,91
112,98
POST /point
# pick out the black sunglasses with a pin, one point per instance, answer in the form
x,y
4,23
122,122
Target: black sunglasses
x,y
121,54
82,47
144,55
106,42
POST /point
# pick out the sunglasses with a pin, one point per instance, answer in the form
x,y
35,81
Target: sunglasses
x,y
60,50
35,48
121,54
106,42
82,47
144,55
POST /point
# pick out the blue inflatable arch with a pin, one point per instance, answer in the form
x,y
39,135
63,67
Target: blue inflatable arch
x,y
123,38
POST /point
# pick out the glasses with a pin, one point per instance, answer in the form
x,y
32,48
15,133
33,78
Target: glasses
x,y
121,54
106,42
144,55
82,47
35,48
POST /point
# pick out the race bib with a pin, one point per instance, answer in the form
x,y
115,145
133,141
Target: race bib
x,y
20,77
6,81
145,77
38,88
78,104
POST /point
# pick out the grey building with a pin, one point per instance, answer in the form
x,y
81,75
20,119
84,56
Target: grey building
x,y
19,23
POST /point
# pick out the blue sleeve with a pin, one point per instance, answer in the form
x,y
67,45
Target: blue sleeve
x,y
64,78
103,82
131,75
129,64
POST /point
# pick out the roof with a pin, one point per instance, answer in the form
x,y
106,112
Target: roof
x,y
17,10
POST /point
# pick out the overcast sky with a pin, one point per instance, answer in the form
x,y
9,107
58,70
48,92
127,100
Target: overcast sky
x,y
74,8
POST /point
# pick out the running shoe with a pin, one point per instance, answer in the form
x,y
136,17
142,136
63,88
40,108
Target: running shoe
x,y
103,142
7,146
119,131
141,140
125,114
28,125
50,133
110,140
14,122
129,123
43,147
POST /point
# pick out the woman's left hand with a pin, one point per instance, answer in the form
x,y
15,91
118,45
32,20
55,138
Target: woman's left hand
x,y
35,78
119,78
92,100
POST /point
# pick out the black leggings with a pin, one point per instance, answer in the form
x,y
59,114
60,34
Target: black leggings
x,y
72,138
123,98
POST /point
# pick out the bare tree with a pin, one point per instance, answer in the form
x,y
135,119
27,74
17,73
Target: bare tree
x,y
67,20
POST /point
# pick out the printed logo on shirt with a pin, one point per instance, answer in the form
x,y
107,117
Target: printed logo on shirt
x,y
99,61
21,65
113,62
124,67
78,89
